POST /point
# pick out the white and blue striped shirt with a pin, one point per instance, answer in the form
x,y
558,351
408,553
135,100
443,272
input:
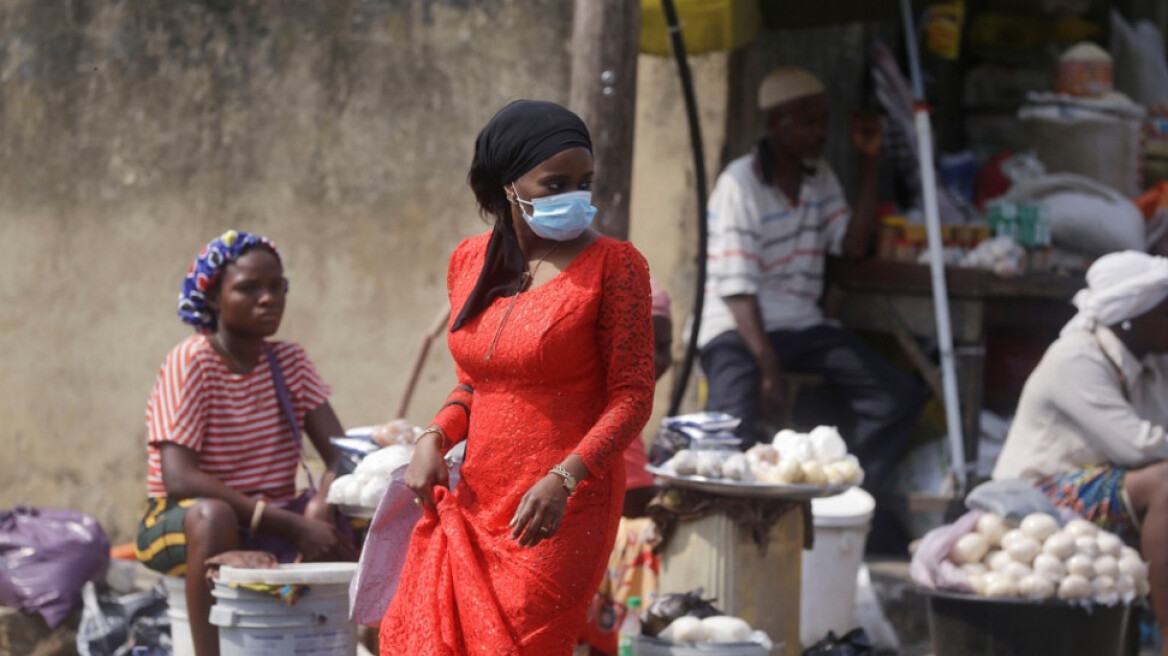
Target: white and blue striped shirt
x,y
762,245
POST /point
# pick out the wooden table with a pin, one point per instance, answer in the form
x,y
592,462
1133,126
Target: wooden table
x,y
896,299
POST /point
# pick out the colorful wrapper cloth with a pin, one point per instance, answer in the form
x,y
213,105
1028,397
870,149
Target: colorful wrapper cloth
x,y
1096,494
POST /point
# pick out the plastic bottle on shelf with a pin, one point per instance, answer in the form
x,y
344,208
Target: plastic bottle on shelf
x,y
630,628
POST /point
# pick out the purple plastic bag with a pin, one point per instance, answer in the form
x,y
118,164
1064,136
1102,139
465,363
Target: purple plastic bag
x,y
384,555
46,556
931,567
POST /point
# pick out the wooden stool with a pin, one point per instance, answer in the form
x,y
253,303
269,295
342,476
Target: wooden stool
x,y
793,384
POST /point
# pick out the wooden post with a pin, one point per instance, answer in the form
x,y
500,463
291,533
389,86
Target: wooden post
x,y
605,38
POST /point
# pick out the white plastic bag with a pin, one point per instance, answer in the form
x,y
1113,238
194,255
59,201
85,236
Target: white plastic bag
x,y
1086,217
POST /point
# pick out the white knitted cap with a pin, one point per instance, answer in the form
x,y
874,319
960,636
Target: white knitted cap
x,y
787,83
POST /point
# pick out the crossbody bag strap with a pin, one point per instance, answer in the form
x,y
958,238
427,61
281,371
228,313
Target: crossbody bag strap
x,y
285,401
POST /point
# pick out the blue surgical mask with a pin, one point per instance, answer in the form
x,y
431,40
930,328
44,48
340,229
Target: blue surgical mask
x,y
562,217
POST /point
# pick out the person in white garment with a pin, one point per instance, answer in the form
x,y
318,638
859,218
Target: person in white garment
x,y
1091,430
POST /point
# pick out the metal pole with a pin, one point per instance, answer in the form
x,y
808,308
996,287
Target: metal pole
x,y
924,132
695,137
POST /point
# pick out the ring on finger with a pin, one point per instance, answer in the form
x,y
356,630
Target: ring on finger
x,y
544,529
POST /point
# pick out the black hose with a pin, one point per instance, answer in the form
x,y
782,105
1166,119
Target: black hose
x,y
695,136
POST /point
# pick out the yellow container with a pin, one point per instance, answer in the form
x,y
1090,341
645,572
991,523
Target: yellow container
x,y
916,233
706,25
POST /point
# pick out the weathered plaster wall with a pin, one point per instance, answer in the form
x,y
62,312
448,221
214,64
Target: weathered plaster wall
x,y
663,213
131,131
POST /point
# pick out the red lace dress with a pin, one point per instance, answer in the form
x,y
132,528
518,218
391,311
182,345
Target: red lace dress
x,y
571,372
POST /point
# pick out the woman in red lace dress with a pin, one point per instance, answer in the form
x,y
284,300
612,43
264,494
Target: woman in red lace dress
x,y
553,344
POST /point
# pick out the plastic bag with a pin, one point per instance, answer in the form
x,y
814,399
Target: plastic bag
x,y
672,606
870,615
113,625
386,545
46,555
666,445
931,568
1086,217
1012,498
852,643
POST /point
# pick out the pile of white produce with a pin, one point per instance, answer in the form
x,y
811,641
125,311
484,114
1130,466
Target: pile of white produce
x,y
1002,255
817,458
1039,560
369,481
719,629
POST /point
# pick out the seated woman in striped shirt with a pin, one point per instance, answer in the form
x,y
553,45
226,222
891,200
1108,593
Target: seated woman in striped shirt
x,y
224,428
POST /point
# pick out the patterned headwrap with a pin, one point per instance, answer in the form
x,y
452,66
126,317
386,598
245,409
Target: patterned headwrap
x,y
205,271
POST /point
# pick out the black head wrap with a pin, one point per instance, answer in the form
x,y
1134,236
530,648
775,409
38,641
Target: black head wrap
x,y
522,135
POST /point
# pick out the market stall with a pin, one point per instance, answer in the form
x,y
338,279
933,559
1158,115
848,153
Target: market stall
x,y
893,298
735,524
978,240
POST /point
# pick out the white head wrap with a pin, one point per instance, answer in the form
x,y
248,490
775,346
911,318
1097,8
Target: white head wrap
x,y
785,84
1120,286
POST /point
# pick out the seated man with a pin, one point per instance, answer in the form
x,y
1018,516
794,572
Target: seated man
x,y
1092,423
773,217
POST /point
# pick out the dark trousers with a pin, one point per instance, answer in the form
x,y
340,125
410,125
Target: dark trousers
x,y
884,400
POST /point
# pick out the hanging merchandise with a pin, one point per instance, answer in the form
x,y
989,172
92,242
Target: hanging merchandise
x,y
943,25
709,25
1006,33
895,95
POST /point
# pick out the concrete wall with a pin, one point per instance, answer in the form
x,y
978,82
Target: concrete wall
x,y
133,131
663,212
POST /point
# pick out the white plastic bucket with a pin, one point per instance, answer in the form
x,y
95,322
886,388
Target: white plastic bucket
x,y
828,594
181,642
255,623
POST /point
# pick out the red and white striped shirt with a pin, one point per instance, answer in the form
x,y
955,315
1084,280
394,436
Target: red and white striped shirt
x,y
232,421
